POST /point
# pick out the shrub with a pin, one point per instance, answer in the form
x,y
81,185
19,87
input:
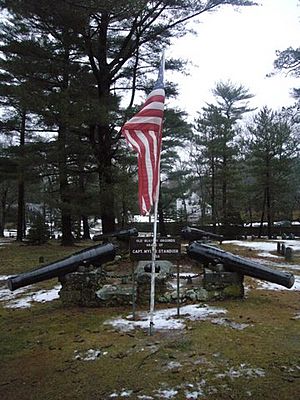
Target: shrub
x,y
39,231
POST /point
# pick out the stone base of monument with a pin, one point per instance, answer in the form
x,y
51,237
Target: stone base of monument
x,y
221,284
90,287
115,295
80,288
143,280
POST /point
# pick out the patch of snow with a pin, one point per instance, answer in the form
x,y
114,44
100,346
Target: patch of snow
x,y
231,324
17,300
166,393
263,246
7,295
182,275
166,318
273,286
196,312
243,371
267,254
24,302
144,397
173,365
43,296
89,355
5,277
281,265
123,393
197,390
267,245
193,395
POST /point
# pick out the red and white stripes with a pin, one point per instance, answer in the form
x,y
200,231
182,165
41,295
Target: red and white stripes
x,y
144,133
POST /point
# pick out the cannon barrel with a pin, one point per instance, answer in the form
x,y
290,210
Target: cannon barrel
x,y
123,234
126,233
192,234
96,254
209,254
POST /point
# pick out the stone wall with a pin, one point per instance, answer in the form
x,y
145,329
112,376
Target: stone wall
x,y
94,288
222,285
80,287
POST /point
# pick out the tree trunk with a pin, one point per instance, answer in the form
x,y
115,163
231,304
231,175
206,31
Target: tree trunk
x,y
83,217
269,217
86,228
21,185
213,195
65,205
124,220
100,134
3,212
185,215
161,220
107,199
250,215
66,219
224,192
262,216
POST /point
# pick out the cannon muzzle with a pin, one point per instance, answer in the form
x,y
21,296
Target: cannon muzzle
x,y
192,234
97,255
209,254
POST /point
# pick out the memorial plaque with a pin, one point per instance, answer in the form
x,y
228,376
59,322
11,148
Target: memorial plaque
x,y
167,248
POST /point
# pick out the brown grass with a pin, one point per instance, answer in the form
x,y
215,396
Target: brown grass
x,y
38,345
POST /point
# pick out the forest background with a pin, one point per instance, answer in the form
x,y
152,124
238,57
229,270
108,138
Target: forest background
x,y
71,74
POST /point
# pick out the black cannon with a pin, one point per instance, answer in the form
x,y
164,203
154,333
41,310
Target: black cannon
x,y
192,234
211,255
122,235
95,255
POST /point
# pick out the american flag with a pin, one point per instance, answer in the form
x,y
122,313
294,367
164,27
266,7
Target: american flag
x,y
144,133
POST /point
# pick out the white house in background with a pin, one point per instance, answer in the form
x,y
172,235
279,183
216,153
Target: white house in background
x,y
192,207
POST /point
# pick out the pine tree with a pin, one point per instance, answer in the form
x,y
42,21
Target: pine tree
x,y
106,48
216,132
272,148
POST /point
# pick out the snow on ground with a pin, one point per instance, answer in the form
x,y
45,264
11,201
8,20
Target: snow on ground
x,y
123,393
182,275
166,318
267,254
281,265
24,297
193,389
273,286
89,355
41,296
243,371
265,246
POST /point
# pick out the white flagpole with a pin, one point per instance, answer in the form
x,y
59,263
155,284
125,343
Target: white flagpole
x,y
152,290
153,258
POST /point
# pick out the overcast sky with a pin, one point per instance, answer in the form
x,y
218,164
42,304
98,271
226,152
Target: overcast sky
x,y
240,46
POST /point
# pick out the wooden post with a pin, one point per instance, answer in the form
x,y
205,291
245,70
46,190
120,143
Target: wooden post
x,y
133,291
178,291
279,247
288,254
